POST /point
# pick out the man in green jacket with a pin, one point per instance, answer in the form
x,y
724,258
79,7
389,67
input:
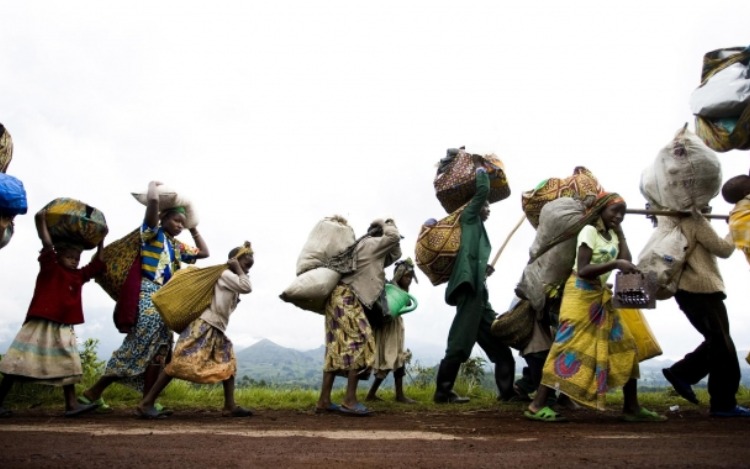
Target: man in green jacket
x,y
467,291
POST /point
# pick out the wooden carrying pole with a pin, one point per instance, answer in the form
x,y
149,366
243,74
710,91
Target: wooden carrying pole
x,y
672,213
510,235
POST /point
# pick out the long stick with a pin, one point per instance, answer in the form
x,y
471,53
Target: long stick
x,y
673,213
510,235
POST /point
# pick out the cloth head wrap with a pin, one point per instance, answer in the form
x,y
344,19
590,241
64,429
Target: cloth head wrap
x,y
174,210
604,200
246,248
402,267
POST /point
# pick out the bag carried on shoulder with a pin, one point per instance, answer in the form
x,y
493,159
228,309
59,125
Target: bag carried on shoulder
x,y
664,255
437,247
121,278
187,295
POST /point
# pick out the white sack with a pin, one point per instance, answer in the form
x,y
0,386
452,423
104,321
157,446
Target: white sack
x,y
329,237
311,290
724,95
170,198
664,255
685,175
552,268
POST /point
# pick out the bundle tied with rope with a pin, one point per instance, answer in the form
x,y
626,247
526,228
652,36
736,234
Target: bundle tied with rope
x,y
189,292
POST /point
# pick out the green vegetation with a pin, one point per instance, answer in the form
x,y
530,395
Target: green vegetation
x,y
419,385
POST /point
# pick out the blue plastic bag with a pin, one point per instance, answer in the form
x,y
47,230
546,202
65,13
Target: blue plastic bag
x,y
12,196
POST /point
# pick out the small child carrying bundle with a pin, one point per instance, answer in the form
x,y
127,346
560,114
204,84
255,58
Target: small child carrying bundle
x,y
189,293
437,246
455,181
75,222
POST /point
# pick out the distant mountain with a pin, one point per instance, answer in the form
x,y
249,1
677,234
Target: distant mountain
x,y
274,364
269,363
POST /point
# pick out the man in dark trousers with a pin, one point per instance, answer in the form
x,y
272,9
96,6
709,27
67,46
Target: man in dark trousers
x,y
467,291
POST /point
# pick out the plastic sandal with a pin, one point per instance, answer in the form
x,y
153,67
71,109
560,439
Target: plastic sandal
x,y
331,408
643,415
358,410
545,414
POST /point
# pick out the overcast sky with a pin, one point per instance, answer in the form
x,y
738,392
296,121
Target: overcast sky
x,y
273,115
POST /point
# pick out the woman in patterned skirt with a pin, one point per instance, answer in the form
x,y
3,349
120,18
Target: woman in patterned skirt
x,y
146,348
350,345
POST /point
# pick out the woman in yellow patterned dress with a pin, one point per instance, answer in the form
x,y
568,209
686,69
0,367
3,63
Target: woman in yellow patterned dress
x,y
593,350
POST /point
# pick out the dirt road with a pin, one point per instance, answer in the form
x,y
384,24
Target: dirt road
x,y
281,439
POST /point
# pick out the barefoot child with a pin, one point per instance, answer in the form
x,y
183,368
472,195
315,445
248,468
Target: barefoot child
x,y
45,350
389,341
203,353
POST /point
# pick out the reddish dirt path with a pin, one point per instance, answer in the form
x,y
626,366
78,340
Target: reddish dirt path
x,y
281,439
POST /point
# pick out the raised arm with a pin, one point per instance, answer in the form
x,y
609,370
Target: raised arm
x,y
152,204
200,243
41,228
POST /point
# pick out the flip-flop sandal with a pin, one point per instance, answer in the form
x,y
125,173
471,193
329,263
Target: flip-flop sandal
x,y
643,415
150,414
331,408
82,409
545,414
163,410
237,412
102,406
358,410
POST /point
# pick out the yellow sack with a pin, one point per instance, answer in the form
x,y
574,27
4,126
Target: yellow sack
x,y
645,342
187,295
118,259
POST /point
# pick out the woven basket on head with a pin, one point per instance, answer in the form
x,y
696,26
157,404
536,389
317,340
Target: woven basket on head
x,y
514,328
118,259
187,295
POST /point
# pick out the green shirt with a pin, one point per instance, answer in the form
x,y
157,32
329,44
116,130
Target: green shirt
x,y
471,262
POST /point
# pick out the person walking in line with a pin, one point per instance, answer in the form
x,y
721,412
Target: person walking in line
x,y
203,353
467,291
390,353
146,349
700,295
45,350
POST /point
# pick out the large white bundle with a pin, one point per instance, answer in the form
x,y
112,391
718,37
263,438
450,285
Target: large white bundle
x,y
686,174
329,237
552,268
664,255
170,198
725,94
311,289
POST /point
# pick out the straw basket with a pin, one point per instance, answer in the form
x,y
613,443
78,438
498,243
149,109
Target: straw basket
x,y
437,246
514,328
118,258
187,295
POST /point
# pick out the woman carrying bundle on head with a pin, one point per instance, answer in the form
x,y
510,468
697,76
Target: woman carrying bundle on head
x,y
390,354
145,350
203,353
593,349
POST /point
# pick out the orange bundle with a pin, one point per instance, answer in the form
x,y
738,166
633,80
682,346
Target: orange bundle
x,y
582,185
